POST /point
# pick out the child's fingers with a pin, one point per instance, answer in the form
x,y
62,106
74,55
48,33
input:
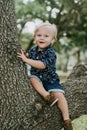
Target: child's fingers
x,y
19,56
21,51
18,53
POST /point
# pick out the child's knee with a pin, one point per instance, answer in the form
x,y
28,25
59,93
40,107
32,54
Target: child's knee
x,y
59,94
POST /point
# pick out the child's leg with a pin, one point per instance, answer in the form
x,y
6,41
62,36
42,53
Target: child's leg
x,y
38,86
49,97
62,104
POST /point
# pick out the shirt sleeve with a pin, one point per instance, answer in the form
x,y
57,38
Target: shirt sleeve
x,y
31,52
49,59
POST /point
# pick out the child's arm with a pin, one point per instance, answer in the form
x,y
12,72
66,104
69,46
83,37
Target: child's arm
x,y
34,63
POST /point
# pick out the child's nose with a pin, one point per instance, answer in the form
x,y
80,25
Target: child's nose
x,y
42,37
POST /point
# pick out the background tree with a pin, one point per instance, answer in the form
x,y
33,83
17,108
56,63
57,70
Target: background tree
x,y
69,17
21,108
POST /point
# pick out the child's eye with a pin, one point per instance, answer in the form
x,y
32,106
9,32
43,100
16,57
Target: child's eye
x,y
46,36
39,35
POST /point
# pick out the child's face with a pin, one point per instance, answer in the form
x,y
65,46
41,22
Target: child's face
x,y
44,37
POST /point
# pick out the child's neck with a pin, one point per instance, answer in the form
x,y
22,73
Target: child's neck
x,y
40,49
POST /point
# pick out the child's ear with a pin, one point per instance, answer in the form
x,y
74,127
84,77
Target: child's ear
x,y
34,42
53,40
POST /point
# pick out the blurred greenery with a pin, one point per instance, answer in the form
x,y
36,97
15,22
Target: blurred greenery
x,y
69,16
80,123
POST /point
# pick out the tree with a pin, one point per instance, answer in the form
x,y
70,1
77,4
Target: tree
x,y
21,108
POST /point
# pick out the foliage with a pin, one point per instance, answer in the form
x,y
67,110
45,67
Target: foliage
x,y
69,16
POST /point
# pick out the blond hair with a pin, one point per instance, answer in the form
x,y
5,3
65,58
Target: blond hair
x,y
52,27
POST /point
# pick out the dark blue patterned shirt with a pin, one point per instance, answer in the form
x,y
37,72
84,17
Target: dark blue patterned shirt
x,y
48,57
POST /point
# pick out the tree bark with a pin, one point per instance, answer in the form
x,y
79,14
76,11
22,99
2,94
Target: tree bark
x,y
21,107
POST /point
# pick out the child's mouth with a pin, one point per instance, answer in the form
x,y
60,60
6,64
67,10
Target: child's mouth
x,y
42,42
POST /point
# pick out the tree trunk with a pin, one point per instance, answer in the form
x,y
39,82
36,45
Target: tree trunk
x,y
78,56
21,108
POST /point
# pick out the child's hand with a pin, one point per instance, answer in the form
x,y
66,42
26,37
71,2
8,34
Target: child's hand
x,y
26,54
23,51
22,55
